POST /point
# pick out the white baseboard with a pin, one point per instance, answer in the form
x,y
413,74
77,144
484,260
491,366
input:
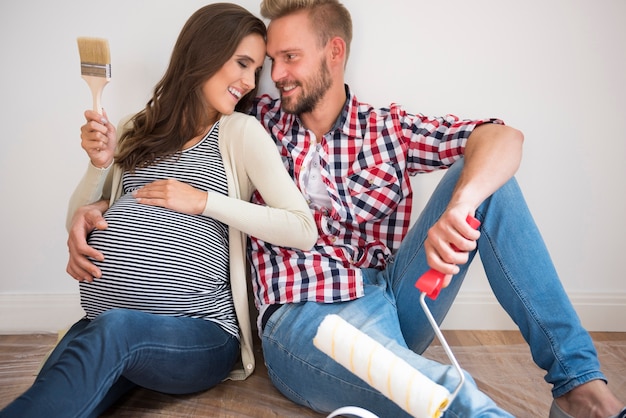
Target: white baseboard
x,y
31,313
481,311
34,313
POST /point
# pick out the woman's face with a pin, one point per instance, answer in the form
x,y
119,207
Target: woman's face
x,y
236,78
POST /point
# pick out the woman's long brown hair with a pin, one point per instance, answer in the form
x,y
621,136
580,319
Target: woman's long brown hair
x,y
177,110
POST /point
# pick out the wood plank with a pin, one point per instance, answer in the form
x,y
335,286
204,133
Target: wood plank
x,y
499,361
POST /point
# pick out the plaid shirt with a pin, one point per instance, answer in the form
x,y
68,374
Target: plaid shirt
x,y
366,160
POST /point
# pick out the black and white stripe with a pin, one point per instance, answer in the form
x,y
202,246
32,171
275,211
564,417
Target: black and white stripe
x,y
161,261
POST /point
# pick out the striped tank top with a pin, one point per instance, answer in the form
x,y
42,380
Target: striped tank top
x,y
161,261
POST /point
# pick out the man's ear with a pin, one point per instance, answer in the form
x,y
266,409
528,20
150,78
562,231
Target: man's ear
x,y
337,50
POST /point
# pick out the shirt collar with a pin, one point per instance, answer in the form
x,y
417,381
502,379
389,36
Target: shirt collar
x,y
349,116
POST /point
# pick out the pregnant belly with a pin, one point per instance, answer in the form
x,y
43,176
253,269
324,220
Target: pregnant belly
x,y
157,261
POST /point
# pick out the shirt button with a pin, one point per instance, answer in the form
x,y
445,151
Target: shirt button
x,y
249,366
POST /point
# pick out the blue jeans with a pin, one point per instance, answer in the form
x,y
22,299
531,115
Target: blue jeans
x,y
521,274
98,361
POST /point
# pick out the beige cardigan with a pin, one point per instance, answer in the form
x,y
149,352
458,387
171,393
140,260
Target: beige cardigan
x,y
251,161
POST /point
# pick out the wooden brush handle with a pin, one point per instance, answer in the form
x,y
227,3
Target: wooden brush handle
x,y
96,85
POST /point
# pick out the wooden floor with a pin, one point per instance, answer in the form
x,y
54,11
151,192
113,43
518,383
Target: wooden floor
x,y
499,361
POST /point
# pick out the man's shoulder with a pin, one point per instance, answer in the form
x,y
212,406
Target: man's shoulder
x,y
265,103
366,110
367,114
268,111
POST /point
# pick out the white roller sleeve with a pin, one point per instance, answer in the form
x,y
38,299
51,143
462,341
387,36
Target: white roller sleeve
x,y
380,368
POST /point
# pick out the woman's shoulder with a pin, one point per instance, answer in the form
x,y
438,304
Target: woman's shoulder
x,y
237,117
237,121
125,123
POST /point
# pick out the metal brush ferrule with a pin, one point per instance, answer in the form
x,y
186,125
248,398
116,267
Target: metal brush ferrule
x,y
95,70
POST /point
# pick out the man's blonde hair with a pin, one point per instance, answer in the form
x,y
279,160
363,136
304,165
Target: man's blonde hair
x,y
329,17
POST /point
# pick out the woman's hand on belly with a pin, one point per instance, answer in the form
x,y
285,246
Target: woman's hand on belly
x,y
172,194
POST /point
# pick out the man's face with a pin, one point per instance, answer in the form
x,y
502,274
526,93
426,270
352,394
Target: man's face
x,y
299,67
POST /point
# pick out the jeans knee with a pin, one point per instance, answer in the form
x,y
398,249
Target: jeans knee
x,y
114,317
508,194
111,323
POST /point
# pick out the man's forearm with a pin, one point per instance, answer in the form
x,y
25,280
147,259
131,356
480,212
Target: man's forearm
x,y
492,156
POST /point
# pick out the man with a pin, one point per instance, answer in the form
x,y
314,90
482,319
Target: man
x,y
352,162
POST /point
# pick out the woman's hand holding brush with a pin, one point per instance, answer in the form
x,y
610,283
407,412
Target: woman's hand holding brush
x,y
98,138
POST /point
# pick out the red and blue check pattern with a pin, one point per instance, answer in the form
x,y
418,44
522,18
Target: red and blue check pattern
x,y
366,160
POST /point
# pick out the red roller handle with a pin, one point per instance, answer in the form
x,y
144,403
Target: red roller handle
x,y
431,282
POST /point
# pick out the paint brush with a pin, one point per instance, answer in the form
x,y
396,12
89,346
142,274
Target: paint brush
x,y
95,66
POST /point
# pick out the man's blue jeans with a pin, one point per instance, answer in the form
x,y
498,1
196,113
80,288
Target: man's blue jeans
x,y
521,274
98,361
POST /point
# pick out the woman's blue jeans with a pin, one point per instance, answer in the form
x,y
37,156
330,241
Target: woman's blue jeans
x,y
521,274
98,361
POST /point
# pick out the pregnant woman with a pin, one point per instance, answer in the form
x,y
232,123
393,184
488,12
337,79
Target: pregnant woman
x,y
168,307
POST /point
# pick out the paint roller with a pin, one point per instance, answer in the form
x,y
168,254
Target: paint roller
x,y
381,368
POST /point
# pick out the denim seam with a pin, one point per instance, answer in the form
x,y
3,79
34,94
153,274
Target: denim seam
x,y
577,381
267,338
525,303
125,359
406,267
312,368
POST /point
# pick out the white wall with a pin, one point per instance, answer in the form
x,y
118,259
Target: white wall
x,y
555,70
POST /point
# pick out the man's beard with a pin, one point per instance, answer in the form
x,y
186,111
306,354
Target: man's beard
x,y
318,85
